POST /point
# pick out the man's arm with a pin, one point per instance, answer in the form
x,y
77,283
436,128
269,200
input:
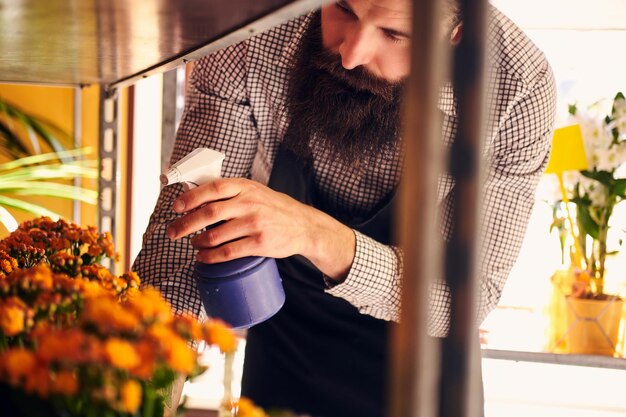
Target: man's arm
x,y
519,157
217,115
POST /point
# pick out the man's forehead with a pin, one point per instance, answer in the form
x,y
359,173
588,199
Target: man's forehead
x,y
393,9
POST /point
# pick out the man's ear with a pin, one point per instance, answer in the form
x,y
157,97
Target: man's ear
x,y
456,35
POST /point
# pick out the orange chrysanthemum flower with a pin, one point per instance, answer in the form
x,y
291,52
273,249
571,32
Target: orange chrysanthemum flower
x,y
246,408
180,356
216,332
12,316
121,354
18,363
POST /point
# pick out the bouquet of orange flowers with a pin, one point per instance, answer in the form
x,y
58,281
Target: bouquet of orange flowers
x,y
77,340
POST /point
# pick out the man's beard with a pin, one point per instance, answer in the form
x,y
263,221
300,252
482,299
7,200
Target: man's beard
x,y
350,115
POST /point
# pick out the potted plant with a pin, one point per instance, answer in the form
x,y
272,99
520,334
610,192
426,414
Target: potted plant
x,y
592,314
76,340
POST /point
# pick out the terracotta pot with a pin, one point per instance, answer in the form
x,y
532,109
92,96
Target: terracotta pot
x,y
593,325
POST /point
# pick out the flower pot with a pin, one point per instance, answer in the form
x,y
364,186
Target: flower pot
x,y
593,325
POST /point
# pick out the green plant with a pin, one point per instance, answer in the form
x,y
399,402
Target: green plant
x,y
28,172
23,134
600,188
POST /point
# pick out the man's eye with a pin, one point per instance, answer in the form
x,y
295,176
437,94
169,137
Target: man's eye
x,y
393,37
343,7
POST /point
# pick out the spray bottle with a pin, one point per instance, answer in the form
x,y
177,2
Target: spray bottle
x,y
242,292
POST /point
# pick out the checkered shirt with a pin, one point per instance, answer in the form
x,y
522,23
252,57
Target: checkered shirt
x,y
236,105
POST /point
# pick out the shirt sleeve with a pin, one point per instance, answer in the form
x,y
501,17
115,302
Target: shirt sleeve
x,y
519,157
218,116
374,280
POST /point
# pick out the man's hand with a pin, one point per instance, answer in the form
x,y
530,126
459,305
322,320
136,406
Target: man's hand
x,y
259,221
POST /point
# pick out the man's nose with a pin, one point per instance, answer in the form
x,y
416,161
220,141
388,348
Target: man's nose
x,y
356,49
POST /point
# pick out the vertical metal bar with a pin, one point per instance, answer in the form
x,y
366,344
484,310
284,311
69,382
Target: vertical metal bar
x,y
108,181
414,355
173,104
78,142
460,357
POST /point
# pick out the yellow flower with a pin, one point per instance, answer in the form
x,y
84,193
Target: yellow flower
x,y
65,383
121,354
216,332
12,316
246,408
180,356
130,395
18,363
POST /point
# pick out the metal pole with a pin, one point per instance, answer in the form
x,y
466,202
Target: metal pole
x,y
461,392
108,180
173,105
414,355
78,142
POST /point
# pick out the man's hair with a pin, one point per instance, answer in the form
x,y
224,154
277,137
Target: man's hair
x,y
452,14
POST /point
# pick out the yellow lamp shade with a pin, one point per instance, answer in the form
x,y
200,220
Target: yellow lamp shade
x,y
568,151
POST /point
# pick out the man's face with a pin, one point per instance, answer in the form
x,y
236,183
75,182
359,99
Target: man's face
x,y
372,34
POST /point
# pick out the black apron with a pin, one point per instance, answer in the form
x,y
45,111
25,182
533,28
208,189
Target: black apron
x,y
318,355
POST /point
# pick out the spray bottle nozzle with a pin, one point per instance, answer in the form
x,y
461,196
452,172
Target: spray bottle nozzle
x,y
171,176
200,166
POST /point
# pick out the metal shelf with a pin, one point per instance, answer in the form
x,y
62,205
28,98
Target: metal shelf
x,y
556,358
116,42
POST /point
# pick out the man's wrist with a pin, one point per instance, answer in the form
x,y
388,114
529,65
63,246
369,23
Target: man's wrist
x,y
332,248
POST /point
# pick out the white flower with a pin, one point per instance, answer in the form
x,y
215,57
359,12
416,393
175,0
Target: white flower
x,y
571,178
620,149
596,191
596,135
548,189
605,159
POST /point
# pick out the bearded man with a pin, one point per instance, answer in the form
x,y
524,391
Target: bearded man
x,y
308,115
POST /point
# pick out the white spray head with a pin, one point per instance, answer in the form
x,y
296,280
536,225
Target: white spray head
x,y
198,167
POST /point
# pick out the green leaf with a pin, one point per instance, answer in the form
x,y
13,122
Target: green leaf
x,y
51,171
603,177
47,136
28,207
590,226
45,157
619,188
12,144
572,109
50,189
38,130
